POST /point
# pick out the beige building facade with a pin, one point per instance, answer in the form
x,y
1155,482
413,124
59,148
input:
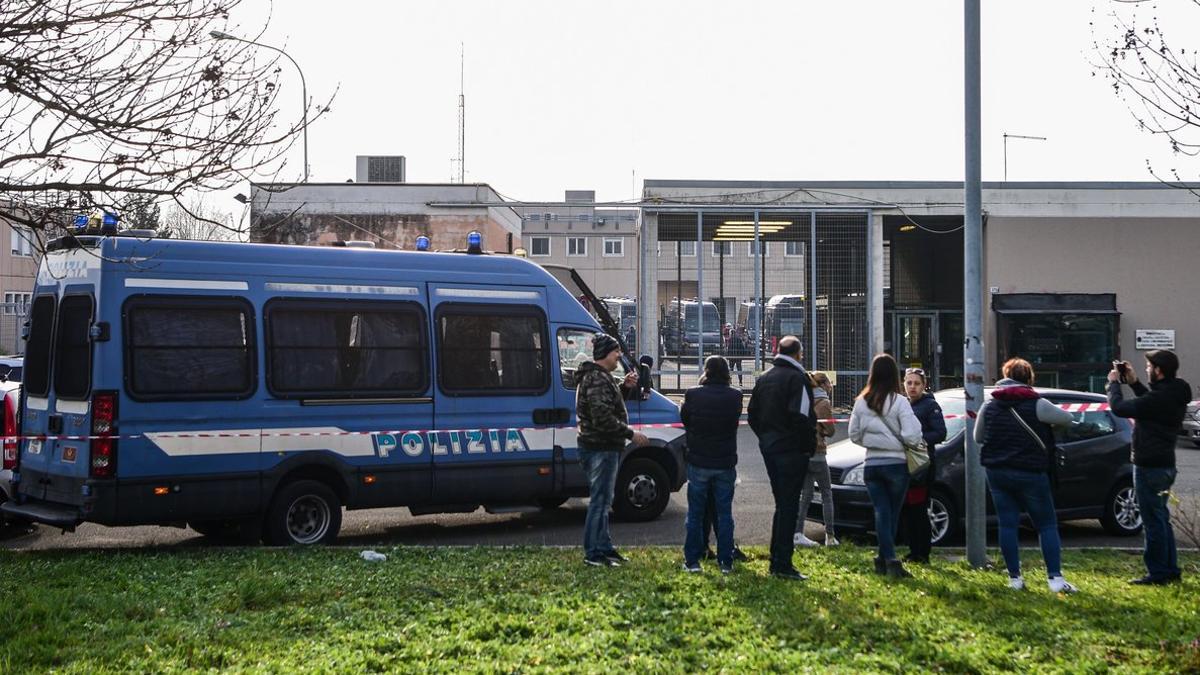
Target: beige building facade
x,y
18,269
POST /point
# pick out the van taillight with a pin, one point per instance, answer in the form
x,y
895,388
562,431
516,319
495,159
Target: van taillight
x,y
104,431
11,433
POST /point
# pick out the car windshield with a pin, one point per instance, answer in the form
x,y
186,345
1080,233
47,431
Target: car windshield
x,y
712,320
954,407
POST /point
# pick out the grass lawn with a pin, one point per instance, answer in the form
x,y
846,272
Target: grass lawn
x,y
534,609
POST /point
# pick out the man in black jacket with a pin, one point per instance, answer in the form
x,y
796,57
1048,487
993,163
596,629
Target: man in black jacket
x,y
781,415
1159,413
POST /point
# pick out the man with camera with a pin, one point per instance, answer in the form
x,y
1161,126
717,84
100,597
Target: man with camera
x,y
1158,411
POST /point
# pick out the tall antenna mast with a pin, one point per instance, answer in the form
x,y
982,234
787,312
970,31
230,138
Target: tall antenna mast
x,y
462,115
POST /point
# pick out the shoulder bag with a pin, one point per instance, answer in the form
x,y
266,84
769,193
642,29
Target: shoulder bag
x,y
917,455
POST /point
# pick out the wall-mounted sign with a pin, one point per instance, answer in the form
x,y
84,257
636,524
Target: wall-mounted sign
x,y
1154,339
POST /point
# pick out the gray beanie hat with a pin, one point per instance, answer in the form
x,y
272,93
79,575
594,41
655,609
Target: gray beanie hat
x,y
602,344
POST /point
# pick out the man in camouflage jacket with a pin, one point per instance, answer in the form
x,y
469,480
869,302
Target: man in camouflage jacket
x,y
603,433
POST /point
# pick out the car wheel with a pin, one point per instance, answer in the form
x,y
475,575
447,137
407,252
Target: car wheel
x,y
1196,443
642,490
303,513
943,518
1122,517
551,502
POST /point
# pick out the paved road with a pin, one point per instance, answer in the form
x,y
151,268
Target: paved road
x,y
559,527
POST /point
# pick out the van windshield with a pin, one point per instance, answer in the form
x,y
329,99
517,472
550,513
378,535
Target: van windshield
x,y
712,321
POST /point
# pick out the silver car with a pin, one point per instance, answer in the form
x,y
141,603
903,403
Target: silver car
x,y
1191,424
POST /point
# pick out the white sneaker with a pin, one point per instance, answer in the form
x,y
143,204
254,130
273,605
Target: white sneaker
x,y
1060,585
800,540
831,540
1016,583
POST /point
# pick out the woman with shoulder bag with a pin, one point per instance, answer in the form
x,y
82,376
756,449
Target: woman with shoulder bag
x,y
1013,430
915,515
883,423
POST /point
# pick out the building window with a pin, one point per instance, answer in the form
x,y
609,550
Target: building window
x,y
495,349
752,250
539,246
183,348
793,249
722,248
22,241
577,246
326,350
687,249
614,248
16,303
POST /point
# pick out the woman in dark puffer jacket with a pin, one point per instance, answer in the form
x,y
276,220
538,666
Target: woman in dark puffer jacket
x,y
915,515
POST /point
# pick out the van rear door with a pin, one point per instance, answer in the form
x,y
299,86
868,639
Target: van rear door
x,y
58,392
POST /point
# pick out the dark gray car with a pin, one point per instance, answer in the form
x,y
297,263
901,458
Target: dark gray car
x,y
1095,477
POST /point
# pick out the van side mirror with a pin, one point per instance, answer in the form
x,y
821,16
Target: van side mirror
x,y
645,368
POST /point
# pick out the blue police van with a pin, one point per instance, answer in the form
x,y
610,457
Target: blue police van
x,y
253,390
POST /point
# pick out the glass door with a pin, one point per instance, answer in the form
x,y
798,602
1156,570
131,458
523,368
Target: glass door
x,y
916,343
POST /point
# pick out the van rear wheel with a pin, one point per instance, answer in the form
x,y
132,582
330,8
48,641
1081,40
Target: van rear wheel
x,y
642,490
303,513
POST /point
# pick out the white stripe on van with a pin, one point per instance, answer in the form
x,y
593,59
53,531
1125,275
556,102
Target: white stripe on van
x,y
482,293
181,443
71,407
36,403
342,288
190,284
239,440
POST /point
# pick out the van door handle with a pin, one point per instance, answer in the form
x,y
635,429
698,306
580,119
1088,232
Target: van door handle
x,y
551,415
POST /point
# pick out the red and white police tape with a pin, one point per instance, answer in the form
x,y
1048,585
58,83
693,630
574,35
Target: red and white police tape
x,y
1069,407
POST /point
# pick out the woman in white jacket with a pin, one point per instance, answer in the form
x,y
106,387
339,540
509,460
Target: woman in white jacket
x,y
883,422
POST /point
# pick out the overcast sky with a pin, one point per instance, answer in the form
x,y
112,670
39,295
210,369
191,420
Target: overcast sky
x,y
573,95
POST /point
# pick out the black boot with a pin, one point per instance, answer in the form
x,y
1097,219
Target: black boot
x,y
896,570
880,566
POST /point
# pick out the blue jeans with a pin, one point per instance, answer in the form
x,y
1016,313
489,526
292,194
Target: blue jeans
x,y
1014,491
886,484
702,482
601,469
1151,485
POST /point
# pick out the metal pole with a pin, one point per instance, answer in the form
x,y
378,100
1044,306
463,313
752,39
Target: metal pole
x,y
758,289
812,300
219,35
699,289
973,306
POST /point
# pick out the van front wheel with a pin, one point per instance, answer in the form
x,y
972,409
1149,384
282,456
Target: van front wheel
x,y
303,513
642,490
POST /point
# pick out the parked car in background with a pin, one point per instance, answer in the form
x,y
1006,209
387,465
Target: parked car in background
x,y
1191,424
11,368
1095,477
11,392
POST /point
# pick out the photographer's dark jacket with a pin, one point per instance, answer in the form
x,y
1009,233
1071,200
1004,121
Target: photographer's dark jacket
x,y
1005,444
710,414
781,409
603,420
1159,412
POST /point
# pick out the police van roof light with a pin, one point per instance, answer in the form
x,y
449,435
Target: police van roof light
x,y
474,242
80,222
422,243
108,225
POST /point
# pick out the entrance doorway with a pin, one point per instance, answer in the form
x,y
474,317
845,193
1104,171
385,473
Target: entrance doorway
x,y
915,336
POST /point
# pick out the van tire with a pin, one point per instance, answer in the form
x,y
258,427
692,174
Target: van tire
x,y
303,513
643,490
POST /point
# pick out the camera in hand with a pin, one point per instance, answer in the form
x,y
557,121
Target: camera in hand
x,y
1122,369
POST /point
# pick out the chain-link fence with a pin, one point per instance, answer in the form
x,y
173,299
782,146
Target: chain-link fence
x,y
734,282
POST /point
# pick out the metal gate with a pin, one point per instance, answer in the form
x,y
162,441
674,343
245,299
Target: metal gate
x,y
734,281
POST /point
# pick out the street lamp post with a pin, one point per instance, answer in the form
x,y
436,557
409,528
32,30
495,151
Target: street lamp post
x,y
220,35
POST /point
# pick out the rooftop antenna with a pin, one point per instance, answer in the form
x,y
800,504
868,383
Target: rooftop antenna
x,y
460,161
1008,136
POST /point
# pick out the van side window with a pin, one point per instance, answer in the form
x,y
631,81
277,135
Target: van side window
x,y
73,348
37,348
492,349
574,349
189,348
335,349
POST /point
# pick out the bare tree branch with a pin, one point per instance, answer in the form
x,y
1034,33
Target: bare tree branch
x,y
102,99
